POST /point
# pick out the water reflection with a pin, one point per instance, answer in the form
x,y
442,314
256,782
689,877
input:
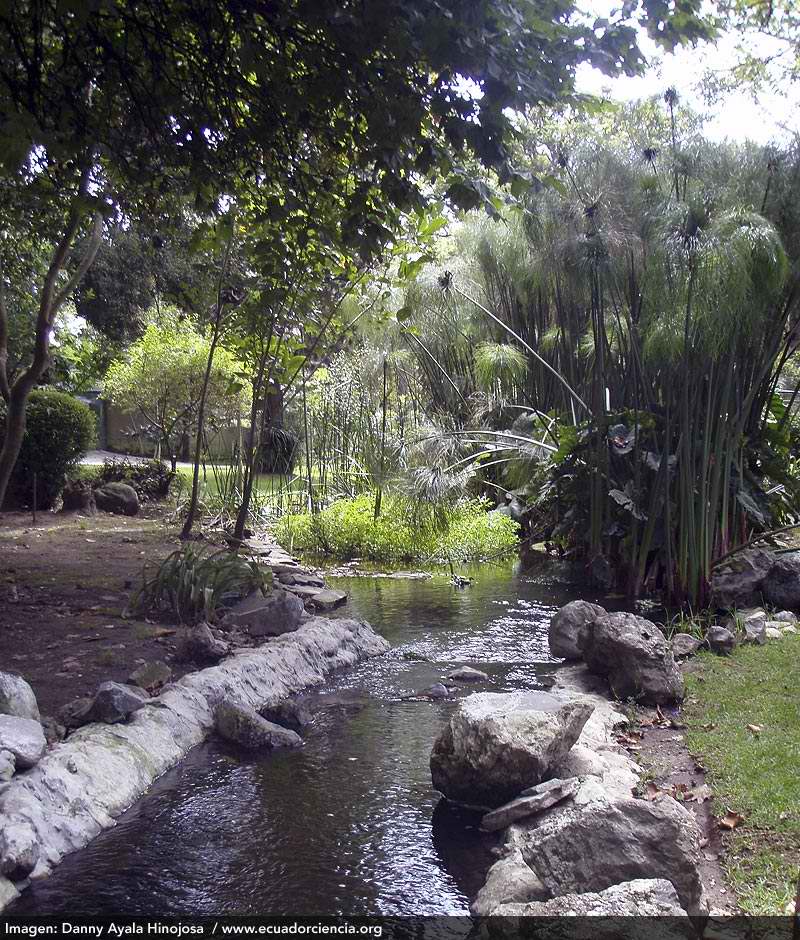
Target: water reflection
x,y
349,824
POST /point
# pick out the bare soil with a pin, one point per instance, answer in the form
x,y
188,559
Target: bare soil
x,y
64,584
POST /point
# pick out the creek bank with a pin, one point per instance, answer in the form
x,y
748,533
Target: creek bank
x,y
83,784
599,836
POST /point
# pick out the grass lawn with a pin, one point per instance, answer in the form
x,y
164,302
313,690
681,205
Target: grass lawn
x,y
753,771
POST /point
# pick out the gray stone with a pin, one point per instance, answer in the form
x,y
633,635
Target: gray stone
x,y
54,731
8,765
19,849
242,725
498,744
151,676
199,645
271,615
720,640
113,703
73,714
437,690
633,655
781,587
784,616
118,498
773,633
590,846
468,674
304,578
289,714
24,738
328,599
684,645
16,697
755,631
568,624
643,897
738,581
530,802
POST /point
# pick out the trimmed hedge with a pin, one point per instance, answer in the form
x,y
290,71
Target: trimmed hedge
x,y
59,430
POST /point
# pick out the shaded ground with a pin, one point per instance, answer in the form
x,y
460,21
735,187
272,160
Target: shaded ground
x,y
63,586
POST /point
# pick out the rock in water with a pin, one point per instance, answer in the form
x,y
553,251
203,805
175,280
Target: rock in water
x,y
118,498
588,848
16,697
633,655
643,897
271,615
568,624
498,744
738,581
241,725
684,644
289,714
468,674
529,803
151,676
781,587
24,738
19,849
328,599
720,640
199,645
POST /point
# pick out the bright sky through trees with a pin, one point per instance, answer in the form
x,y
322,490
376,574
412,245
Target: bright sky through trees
x,y
738,116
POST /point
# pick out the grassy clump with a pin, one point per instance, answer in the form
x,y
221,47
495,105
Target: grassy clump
x,y
755,771
347,529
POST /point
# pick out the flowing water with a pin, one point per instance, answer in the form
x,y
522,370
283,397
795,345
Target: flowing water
x,y
349,824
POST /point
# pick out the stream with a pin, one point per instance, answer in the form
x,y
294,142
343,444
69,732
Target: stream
x,y
349,824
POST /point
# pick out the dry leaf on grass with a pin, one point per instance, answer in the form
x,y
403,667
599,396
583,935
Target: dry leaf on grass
x,y
731,820
698,794
755,729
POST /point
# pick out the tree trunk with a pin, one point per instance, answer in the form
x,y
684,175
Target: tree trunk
x,y
12,442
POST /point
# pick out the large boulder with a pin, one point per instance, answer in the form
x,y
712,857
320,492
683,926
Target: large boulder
x,y
271,615
781,586
23,738
113,703
498,744
77,496
242,725
16,697
289,714
643,897
634,656
588,847
568,624
118,498
738,581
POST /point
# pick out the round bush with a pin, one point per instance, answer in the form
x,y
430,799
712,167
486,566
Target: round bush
x,y
59,430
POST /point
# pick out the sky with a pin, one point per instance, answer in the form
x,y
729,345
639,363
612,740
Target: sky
x,y
737,117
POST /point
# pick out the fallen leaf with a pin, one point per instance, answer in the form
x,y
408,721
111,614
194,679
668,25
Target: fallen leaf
x,y
698,794
653,791
755,729
731,820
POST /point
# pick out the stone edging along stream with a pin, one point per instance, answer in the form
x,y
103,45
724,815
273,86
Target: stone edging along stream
x,y
84,783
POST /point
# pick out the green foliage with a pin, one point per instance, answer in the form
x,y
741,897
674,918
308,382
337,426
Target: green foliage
x,y
150,478
160,377
348,529
59,430
190,583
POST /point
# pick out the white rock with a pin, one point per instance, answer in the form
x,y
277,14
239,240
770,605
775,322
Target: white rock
x,y
16,697
24,738
653,897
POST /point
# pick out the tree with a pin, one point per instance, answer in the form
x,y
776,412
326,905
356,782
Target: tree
x,y
336,114
162,378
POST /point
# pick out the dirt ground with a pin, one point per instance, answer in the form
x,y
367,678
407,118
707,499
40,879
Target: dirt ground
x,y
64,583
657,742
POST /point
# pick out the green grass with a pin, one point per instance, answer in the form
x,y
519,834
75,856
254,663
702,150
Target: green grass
x,y
265,482
754,774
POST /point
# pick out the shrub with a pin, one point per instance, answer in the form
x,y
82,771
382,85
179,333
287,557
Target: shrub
x,y
191,582
347,528
59,430
150,478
